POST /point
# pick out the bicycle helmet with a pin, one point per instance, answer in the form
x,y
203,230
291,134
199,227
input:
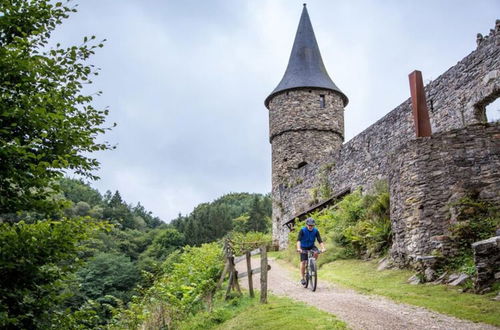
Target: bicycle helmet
x,y
310,222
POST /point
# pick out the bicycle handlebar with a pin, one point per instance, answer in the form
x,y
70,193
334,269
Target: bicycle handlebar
x,y
307,251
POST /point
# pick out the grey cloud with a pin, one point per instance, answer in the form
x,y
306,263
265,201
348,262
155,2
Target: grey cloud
x,y
186,80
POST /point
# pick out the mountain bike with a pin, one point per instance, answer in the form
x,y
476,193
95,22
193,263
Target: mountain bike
x,y
311,271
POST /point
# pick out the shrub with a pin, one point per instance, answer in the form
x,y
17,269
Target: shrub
x,y
358,225
249,241
191,278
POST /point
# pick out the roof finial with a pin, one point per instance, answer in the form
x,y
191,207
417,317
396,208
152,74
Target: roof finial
x,y
305,4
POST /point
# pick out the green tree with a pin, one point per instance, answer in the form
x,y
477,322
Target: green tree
x,y
34,261
147,216
108,274
257,216
240,223
47,123
164,243
106,280
118,212
79,191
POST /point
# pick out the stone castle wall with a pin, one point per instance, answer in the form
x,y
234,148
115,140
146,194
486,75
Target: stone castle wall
x,y
455,99
429,174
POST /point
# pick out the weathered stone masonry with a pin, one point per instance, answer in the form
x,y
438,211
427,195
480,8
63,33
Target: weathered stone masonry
x,y
456,99
487,260
428,174
301,130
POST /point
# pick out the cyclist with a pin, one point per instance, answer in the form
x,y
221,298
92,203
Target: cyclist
x,y
307,236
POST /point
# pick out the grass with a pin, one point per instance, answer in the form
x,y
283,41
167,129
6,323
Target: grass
x,y
363,276
278,313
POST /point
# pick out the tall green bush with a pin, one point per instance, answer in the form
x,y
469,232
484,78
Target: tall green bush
x,y
357,226
186,287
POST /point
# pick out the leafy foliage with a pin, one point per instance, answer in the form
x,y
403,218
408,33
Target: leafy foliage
x,y
47,124
240,223
190,278
109,264
106,280
475,220
108,274
35,259
357,226
78,191
372,235
165,242
243,242
259,217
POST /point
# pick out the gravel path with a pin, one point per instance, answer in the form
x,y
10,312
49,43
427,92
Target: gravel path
x,y
359,311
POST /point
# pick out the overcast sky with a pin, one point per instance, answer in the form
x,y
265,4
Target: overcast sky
x,y
186,80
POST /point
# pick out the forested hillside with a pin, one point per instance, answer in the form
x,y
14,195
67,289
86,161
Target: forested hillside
x,y
241,212
99,251
69,256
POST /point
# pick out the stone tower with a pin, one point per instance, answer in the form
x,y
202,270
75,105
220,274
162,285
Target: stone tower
x,y
306,114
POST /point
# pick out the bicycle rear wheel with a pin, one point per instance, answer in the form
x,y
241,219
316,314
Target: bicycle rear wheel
x,y
313,275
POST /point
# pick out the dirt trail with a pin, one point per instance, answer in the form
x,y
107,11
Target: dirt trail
x,y
359,311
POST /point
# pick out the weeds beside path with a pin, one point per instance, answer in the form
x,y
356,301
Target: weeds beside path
x,y
360,311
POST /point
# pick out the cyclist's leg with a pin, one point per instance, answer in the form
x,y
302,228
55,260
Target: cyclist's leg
x,y
316,252
303,261
302,268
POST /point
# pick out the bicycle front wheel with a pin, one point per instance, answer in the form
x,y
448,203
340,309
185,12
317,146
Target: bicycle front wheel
x,y
313,275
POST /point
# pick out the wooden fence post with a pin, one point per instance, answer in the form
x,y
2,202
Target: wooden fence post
x,y
235,281
231,275
249,270
263,274
223,275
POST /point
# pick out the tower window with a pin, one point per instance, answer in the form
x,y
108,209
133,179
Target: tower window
x,y
322,101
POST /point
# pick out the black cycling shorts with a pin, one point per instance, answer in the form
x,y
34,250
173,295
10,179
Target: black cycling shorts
x,y
303,256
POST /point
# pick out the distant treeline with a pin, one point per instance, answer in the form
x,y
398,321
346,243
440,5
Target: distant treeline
x,y
241,212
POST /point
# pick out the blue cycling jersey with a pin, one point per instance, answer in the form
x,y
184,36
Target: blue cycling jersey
x,y
308,237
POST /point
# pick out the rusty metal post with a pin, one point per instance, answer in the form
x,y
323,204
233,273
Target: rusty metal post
x,y
419,105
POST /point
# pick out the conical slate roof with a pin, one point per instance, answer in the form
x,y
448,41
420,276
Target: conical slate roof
x,y
305,66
